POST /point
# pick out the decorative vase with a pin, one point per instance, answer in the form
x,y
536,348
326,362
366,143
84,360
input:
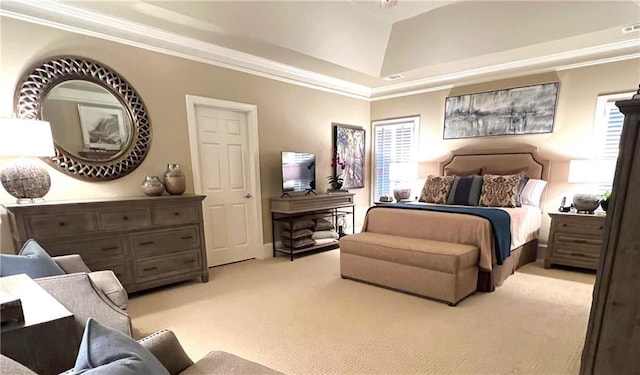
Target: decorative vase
x,y
174,180
152,186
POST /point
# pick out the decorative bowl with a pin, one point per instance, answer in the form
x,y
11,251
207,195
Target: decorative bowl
x,y
401,193
586,202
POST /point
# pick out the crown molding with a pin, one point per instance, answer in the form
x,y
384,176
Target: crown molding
x,y
61,16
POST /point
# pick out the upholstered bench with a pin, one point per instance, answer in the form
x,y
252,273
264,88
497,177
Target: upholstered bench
x,y
438,270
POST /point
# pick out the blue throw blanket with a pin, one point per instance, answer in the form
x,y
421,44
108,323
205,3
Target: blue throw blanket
x,y
499,219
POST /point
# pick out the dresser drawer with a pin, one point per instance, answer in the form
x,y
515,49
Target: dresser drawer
x,y
92,250
123,218
576,261
592,225
165,215
44,226
166,266
165,241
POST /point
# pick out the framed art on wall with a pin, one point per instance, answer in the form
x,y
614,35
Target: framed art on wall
x,y
521,110
349,146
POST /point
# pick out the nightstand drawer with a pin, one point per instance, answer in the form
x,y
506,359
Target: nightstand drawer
x,y
578,241
581,225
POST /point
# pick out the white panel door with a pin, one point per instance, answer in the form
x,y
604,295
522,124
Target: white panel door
x,y
224,175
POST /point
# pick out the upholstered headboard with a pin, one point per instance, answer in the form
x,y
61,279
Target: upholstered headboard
x,y
499,160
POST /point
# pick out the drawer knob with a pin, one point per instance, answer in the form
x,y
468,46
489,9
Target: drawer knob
x,y
177,213
578,254
186,237
109,248
189,261
150,269
564,224
125,217
145,243
62,223
601,227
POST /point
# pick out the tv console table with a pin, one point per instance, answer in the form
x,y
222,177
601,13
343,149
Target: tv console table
x,y
288,209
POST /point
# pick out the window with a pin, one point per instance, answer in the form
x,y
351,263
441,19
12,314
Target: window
x,y
607,128
394,141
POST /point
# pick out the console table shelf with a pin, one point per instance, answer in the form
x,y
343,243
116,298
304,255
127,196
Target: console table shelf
x,y
287,210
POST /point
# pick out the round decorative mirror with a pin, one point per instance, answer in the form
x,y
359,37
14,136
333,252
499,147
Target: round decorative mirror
x,y
99,123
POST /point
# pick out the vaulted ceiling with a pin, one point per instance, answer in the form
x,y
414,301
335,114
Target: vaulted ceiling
x,y
351,46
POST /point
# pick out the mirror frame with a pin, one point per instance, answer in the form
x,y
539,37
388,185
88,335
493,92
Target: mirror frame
x,y
45,75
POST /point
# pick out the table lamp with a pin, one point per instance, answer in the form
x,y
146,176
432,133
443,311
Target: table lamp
x,y
590,173
24,177
402,175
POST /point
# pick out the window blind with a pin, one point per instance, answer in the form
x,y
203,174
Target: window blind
x,y
394,142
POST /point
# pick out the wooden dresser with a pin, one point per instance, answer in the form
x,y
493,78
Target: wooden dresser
x,y
575,240
146,241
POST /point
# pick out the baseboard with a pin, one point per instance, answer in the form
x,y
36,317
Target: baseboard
x,y
267,251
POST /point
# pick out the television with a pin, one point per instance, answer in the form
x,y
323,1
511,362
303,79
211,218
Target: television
x,y
298,172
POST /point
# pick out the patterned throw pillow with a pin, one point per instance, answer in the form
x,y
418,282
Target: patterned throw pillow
x,y
499,190
436,189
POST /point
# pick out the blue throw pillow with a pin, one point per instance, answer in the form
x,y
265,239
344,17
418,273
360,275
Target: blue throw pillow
x,y
465,190
32,260
107,352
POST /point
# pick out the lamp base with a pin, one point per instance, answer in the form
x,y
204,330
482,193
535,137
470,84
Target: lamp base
x,y
25,180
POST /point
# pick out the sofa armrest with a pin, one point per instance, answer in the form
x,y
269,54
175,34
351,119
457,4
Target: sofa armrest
x,y
165,346
71,263
84,300
108,283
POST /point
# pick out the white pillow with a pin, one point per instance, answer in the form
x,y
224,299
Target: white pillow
x,y
532,192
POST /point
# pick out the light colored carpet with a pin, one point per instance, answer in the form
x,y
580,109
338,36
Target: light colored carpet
x,y
301,318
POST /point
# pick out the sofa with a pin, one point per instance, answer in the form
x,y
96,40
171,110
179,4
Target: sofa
x,y
165,346
88,296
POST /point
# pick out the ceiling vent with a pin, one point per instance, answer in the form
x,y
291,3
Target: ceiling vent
x,y
393,77
631,28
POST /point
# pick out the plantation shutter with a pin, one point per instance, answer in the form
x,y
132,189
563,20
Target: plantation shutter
x,y
608,127
394,142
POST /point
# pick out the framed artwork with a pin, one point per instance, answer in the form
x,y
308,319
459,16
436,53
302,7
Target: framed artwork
x,y
522,110
349,143
103,127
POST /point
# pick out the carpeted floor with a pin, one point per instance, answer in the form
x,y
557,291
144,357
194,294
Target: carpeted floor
x,y
301,318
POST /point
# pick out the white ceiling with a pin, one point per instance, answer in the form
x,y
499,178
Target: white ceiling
x,y
349,46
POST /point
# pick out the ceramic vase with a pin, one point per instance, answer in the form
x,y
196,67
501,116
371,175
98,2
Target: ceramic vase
x,y
174,180
152,186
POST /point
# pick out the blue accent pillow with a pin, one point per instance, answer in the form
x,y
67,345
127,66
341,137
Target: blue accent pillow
x,y
107,352
523,182
465,190
32,260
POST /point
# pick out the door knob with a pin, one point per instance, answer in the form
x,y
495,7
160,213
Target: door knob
x,y
248,195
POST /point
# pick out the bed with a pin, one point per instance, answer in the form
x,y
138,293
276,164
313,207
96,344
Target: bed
x,y
473,230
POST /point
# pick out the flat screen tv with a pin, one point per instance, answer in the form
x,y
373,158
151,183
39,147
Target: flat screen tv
x,y
298,172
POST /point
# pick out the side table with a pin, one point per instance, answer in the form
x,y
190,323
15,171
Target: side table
x,y
46,341
575,240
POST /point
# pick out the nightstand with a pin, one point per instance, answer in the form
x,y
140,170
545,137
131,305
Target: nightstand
x,y
575,240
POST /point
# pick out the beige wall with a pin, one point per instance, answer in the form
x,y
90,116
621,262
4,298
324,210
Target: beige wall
x,y
572,133
290,117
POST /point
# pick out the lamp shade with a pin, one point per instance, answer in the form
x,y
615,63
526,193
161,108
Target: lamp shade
x,y
22,137
403,172
592,171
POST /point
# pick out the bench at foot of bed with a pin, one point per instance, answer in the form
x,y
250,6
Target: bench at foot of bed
x,y
443,271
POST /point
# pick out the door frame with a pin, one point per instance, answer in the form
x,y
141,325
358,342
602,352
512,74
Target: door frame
x,y
251,112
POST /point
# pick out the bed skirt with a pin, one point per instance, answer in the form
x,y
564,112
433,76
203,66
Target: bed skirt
x,y
489,280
